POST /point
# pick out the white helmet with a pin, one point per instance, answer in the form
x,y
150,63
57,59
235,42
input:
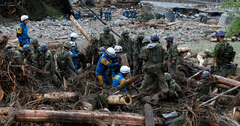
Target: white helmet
x,y
110,51
72,44
24,17
118,48
125,69
73,35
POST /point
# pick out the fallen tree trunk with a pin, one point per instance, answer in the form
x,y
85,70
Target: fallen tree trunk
x,y
57,95
183,50
82,117
119,99
226,81
80,28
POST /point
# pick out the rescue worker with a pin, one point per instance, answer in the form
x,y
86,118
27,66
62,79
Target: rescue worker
x,y
223,55
36,51
22,32
173,17
106,14
172,53
145,42
103,64
54,18
131,13
110,15
47,63
127,13
101,51
13,55
200,86
137,47
75,50
120,77
77,16
135,13
127,45
164,15
106,39
67,17
29,55
174,90
155,61
64,61
101,12
116,59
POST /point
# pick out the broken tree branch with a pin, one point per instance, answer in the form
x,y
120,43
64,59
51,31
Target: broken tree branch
x,y
82,117
57,95
80,28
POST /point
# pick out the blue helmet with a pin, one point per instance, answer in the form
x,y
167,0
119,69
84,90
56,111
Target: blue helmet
x,y
42,47
219,33
169,38
205,74
7,47
155,37
26,48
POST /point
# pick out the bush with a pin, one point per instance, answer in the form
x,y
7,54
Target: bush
x,y
234,27
157,15
146,16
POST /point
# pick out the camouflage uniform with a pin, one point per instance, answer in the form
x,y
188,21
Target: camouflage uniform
x,y
68,66
201,88
47,63
224,67
127,47
106,41
30,59
172,55
14,56
136,59
154,56
174,89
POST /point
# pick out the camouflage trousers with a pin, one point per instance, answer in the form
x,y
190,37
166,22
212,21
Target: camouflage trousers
x,y
173,69
225,70
149,79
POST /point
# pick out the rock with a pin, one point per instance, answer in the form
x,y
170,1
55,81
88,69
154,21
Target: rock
x,y
118,22
113,7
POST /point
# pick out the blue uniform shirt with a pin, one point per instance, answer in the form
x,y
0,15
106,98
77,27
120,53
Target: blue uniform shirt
x,y
22,33
103,64
116,69
119,79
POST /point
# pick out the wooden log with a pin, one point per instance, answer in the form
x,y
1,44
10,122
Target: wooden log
x,y
127,82
57,95
119,99
82,116
190,56
183,50
236,113
149,118
59,38
201,67
172,23
80,28
236,77
226,81
215,40
1,93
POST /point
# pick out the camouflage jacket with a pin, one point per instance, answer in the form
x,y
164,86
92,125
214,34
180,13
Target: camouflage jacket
x,y
31,59
69,66
47,62
127,45
173,86
37,53
172,52
106,41
141,51
154,54
219,52
14,56
137,47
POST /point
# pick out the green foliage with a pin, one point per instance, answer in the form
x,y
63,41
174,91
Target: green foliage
x,y
234,27
146,16
52,11
158,15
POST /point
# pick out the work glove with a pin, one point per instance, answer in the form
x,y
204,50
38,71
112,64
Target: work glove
x,y
21,44
212,70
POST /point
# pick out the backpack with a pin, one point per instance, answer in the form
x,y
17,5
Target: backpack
x,y
61,62
229,53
